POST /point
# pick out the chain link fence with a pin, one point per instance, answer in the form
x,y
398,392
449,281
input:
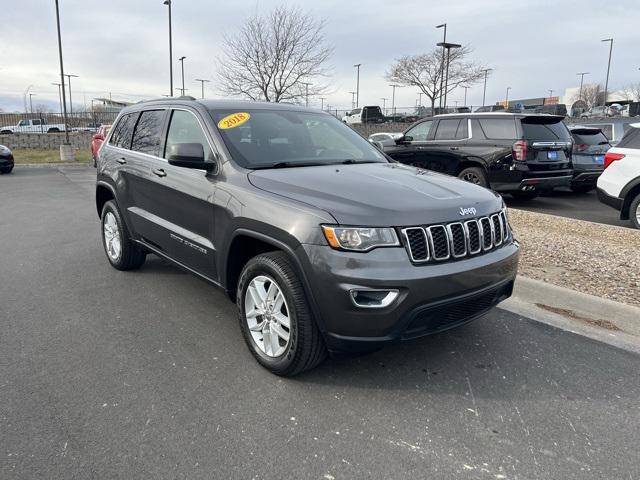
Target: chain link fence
x,y
41,122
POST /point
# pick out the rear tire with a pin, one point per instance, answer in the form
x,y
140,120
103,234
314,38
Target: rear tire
x,y
581,188
95,161
634,212
122,252
475,175
303,348
53,130
524,195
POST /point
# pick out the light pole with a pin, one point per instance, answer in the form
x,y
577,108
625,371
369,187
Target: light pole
x,y
444,40
64,101
393,99
322,99
353,100
30,103
606,83
59,85
384,104
465,95
69,76
582,74
168,3
507,99
202,82
448,46
357,65
306,93
419,99
484,92
182,67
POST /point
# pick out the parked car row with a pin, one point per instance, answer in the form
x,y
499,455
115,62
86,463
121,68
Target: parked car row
x,y
515,153
33,125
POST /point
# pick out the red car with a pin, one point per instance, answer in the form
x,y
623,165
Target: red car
x,y
96,143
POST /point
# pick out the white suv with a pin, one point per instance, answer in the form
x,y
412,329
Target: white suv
x,y
619,184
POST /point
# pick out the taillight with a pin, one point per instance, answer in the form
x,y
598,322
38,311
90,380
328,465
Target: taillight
x,y
611,157
520,150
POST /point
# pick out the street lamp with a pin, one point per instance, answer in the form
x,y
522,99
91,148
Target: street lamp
x,y
168,3
507,99
465,95
306,94
419,99
69,83
393,99
322,99
448,46
444,40
59,85
384,104
68,150
30,103
484,92
357,65
181,59
606,83
202,82
582,74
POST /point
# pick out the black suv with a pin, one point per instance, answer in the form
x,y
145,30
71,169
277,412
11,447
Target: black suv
x,y
519,154
589,148
324,244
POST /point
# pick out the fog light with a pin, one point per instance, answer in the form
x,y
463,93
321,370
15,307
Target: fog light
x,y
372,298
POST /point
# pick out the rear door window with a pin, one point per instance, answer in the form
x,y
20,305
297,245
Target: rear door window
x,y
447,129
499,128
147,136
541,129
589,137
631,139
123,131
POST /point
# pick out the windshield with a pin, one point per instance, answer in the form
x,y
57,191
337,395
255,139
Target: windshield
x,y
589,137
282,138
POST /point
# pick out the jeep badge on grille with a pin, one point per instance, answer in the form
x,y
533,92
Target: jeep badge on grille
x,y
467,211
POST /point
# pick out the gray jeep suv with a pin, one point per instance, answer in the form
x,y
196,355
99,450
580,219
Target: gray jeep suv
x,y
324,243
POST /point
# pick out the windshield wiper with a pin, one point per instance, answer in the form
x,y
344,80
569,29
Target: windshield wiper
x,y
292,164
352,161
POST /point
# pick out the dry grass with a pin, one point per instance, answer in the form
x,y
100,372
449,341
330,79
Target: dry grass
x,y
24,156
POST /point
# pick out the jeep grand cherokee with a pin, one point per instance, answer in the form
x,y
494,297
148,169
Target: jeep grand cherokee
x,y
324,243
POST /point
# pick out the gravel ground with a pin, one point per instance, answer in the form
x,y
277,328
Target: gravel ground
x,y
592,258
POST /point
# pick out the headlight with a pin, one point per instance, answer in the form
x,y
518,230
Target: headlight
x,y
360,239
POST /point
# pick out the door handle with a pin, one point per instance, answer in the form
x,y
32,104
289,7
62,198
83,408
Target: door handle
x,y
454,148
159,172
121,160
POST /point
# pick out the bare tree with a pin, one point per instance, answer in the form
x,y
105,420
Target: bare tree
x,y
592,95
632,91
424,72
275,57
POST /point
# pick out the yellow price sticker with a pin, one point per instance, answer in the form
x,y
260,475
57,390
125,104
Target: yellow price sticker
x,y
234,120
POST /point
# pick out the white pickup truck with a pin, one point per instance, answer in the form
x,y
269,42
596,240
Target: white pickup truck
x,y
34,125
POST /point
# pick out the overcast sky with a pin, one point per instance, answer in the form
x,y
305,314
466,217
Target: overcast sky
x,y
121,46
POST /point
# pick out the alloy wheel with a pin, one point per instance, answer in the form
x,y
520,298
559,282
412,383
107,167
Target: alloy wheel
x,y
112,240
471,178
267,316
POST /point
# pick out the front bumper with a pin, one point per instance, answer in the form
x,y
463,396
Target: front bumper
x,y
432,297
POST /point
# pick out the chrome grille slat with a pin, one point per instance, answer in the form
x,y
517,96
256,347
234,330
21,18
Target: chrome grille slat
x,y
456,239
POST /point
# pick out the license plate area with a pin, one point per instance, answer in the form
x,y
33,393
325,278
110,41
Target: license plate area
x,y
552,155
599,159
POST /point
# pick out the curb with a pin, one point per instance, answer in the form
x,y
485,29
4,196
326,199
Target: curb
x,y
53,165
597,318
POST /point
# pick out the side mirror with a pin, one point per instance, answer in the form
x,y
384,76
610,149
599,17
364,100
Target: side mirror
x,y
98,136
188,155
378,145
403,139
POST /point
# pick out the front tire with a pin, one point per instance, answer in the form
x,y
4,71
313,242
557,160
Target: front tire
x,y
122,252
475,175
275,318
634,212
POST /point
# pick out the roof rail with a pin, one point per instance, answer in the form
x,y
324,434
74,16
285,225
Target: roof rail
x,y
184,97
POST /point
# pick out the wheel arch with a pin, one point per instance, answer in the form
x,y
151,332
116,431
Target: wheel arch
x,y
104,193
629,192
468,162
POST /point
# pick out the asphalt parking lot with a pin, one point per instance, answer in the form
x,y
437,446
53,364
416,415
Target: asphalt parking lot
x,y
565,203
105,374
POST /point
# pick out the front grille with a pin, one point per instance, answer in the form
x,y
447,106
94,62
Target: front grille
x,y
456,239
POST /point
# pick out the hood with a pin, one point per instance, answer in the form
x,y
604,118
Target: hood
x,y
379,194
